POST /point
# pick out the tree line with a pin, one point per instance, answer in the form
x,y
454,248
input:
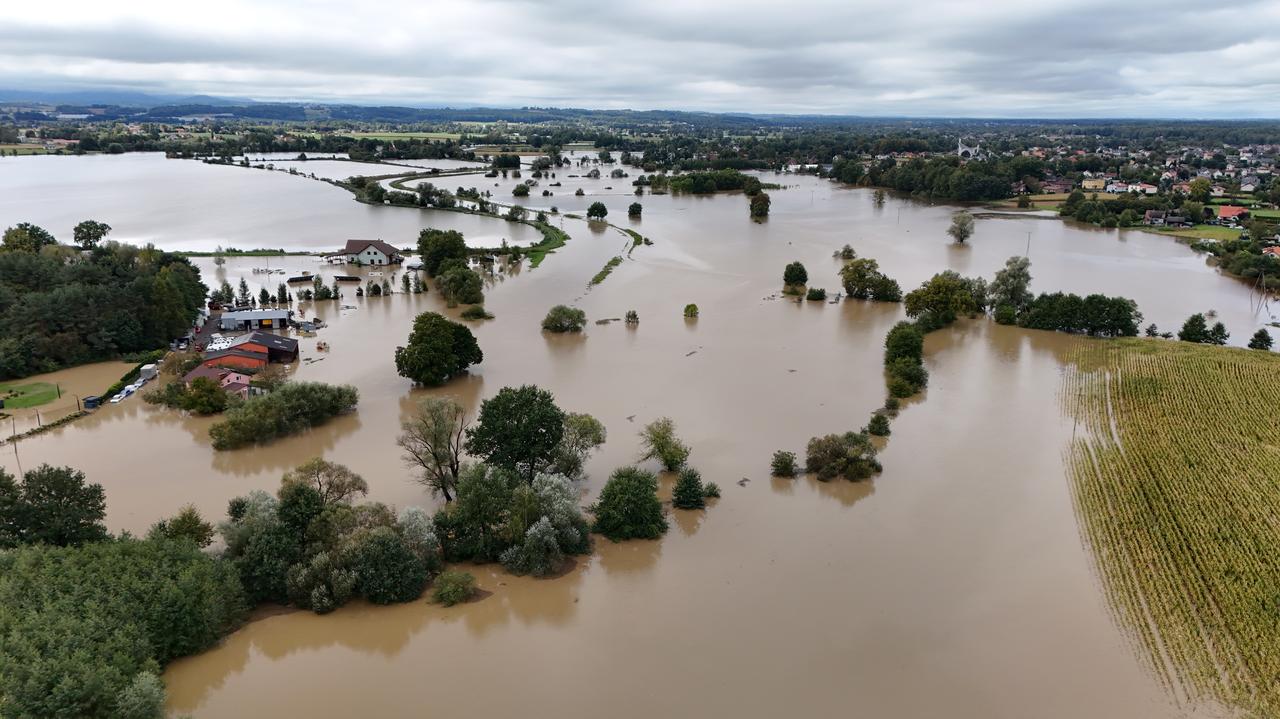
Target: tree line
x,y
62,306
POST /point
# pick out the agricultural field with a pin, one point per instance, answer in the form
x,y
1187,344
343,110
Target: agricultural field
x,y
22,149
1266,214
404,135
1176,478
1200,232
1052,201
32,394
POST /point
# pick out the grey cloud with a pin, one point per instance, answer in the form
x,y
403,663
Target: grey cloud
x,y
931,57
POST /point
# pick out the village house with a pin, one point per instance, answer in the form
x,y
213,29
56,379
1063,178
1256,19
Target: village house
x,y
231,381
1155,218
1232,214
370,252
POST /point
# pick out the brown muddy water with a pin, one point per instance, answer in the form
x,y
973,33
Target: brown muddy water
x,y
954,584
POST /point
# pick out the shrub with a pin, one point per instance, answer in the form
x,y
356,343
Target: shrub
x,y
783,464
1006,314
891,404
850,455
539,554
633,318
628,507
462,285
453,587
910,371
816,294
658,440
900,388
794,274
878,426
293,408
563,318
688,492
691,311
905,340
143,698
635,209
386,570
711,490
476,312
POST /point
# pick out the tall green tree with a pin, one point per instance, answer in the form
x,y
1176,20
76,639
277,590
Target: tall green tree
x,y
51,505
438,350
26,237
436,246
519,429
89,233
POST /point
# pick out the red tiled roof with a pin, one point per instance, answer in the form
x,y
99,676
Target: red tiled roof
x,y
1226,211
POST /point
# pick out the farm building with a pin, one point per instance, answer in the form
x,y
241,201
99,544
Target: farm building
x,y
370,252
277,347
254,319
236,357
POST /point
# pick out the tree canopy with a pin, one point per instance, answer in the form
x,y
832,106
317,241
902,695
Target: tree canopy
x,y
438,350
62,310
519,430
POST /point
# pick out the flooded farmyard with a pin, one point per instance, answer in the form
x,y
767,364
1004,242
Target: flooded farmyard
x,y
954,583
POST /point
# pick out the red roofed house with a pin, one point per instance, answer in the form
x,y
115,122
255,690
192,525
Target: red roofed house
x,y
1273,251
1232,213
371,252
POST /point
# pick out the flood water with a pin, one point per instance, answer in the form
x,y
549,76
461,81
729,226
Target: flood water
x,y
954,584
188,205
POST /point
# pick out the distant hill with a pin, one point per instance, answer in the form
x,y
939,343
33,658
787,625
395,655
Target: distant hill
x,y
120,98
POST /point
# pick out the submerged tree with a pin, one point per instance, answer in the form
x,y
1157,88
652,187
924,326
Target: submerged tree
x,y
628,507
433,441
1261,340
658,441
688,492
519,429
438,350
961,228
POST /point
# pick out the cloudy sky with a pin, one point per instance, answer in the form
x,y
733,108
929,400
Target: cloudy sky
x,y
988,58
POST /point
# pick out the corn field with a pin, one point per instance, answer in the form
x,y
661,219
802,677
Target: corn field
x,y
1175,470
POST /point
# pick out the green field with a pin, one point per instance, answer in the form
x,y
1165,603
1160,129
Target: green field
x,y
34,394
1174,470
1201,232
404,135
22,149
1266,214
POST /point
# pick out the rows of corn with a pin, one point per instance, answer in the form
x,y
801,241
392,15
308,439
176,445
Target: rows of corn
x,y
1175,466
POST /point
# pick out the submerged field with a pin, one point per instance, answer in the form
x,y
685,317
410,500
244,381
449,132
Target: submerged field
x,y
1176,471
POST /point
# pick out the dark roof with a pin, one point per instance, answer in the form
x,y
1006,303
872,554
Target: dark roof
x,y
355,247
235,352
268,339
